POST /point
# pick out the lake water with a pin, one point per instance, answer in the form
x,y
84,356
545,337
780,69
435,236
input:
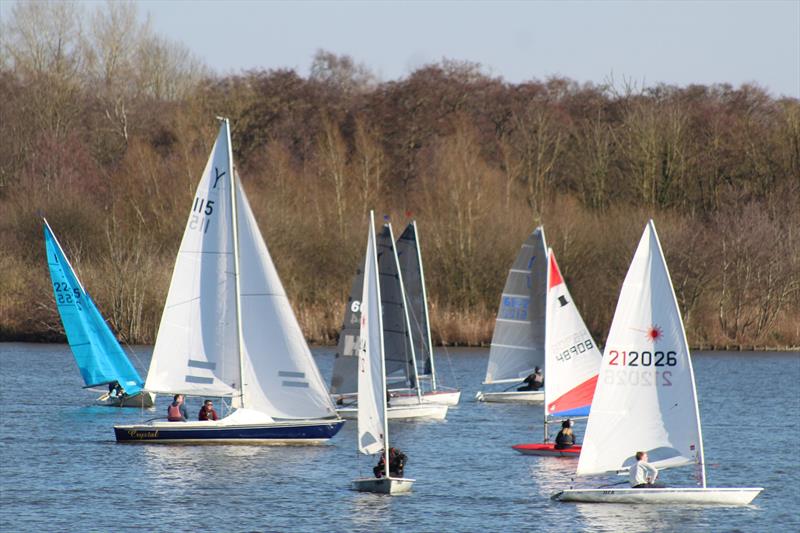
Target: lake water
x,y
62,471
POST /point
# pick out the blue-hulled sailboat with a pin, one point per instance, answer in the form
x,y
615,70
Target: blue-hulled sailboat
x,y
228,330
100,357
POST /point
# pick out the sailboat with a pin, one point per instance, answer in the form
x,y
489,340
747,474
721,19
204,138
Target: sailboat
x,y
399,346
518,340
100,358
646,398
572,361
228,329
373,429
410,259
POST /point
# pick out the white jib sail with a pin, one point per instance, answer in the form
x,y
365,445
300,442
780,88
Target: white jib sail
x,y
645,398
281,378
572,360
518,339
371,387
196,347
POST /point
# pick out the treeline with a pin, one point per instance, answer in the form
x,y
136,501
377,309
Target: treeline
x,y
105,128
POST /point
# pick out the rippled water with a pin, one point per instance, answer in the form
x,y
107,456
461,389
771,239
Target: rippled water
x,y
62,471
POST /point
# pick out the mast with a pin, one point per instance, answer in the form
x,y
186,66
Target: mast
x,y
546,327
425,306
405,313
236,266
380,329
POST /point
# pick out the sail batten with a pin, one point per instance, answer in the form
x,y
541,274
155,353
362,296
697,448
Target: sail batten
x,y
645,398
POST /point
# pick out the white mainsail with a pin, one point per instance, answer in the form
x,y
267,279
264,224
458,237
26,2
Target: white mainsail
x,y
518,339
280,376
572,359
645,398
196,350
371,380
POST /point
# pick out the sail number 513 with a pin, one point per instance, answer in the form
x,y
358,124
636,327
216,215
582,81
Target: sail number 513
x,y
623,358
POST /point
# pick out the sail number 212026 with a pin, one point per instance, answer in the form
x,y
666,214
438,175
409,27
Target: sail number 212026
x,y
644,358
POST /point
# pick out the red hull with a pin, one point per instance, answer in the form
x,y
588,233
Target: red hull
x,y
548,449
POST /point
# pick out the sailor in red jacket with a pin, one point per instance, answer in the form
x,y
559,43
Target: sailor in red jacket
x,y
207,412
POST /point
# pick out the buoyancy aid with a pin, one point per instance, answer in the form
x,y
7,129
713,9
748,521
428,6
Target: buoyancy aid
x,y
174,413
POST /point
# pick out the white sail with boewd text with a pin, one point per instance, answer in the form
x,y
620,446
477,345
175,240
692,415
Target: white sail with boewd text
x,y
645,398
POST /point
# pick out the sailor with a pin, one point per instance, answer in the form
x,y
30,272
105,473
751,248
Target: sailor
x,y
534,381
207,412
565,438
176,412
643,475
397,461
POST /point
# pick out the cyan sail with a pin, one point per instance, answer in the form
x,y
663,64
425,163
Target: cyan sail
x,y
100,358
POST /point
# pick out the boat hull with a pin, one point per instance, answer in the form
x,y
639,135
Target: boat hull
x,y
142,399
430,411
295,432
547,450
698,496
511,397
384,485
443,397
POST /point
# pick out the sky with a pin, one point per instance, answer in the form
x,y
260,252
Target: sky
x,y
674,42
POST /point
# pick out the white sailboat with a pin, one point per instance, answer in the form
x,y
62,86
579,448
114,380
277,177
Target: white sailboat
x,y
646,398
399,346
518,339
572,361
228,329
410,259
373,428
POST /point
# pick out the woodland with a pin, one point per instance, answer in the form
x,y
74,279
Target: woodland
x,y
105,127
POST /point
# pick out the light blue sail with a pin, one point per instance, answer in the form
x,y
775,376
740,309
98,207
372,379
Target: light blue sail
x,y
99,355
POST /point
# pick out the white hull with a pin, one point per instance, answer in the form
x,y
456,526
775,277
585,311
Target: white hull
x,y
430,411
390,485
142,400
437,397
698,496
511,396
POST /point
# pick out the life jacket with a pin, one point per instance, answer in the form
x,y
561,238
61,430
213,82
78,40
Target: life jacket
x,y
174,413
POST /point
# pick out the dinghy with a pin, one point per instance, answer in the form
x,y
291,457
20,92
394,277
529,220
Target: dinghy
x,y
228,330
401,362
518,340
572,362
100,358
373,428
646,398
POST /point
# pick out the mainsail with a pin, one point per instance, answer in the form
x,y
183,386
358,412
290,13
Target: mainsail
x,y
408,255
99,355
645,398
345,364
518,340
196,350
371,385
572,359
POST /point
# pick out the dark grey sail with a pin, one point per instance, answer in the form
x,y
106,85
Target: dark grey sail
x,y
399,354
345,365
410,261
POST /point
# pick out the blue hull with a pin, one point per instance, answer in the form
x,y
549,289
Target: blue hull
x,y
288,433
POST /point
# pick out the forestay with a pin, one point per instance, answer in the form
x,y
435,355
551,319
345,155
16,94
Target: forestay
x,y
97,352
398,351
518,340
645,397
572,358
196,350
371,387
280,376
411,268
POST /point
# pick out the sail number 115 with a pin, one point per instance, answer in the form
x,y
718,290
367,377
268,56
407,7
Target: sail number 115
x,y
201,211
